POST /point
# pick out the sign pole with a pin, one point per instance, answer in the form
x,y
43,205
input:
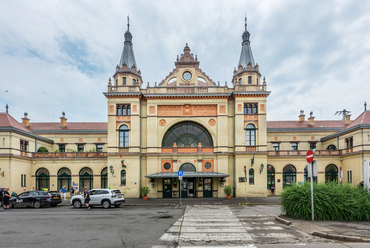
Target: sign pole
x,y
312,206
245,183
180,175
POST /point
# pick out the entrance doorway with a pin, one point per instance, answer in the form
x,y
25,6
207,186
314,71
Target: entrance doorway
x,y
167,188
188,188
207,187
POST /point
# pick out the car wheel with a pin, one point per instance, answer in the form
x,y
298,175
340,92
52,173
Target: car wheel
x,y
106,204
53,205
37,204
117,205
11,205
77,204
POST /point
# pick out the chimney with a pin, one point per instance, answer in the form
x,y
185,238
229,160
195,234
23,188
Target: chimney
x,y
301,116
25,120
63,120
311,120
348,119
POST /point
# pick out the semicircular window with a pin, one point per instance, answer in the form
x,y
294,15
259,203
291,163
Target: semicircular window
x,y
187,167
187,134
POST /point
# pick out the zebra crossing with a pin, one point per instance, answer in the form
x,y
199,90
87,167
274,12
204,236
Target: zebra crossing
x,y
219,226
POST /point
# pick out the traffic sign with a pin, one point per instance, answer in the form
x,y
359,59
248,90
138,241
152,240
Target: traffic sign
x,y
180,178
180,173
309,156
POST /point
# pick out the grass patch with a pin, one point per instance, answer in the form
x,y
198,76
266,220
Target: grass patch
x,y
331,202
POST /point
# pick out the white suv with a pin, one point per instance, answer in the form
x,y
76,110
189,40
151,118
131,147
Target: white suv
x,y
104,197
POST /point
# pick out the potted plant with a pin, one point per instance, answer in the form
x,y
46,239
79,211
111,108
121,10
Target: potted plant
x,y
228,190
144,192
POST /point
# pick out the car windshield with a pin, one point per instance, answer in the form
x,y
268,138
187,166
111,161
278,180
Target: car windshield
x,y
116,191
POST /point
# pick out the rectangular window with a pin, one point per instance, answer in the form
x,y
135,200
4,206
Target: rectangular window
x,y
250,108
257,81
124,81
349,176
312,145
23,145
294,146
116,82
133,81
23,180
80,148
123,178
99,148
240,81
251,176
123,109
62,148
275,146
249,79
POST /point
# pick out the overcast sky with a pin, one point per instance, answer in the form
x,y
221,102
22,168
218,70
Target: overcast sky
x,y
58,55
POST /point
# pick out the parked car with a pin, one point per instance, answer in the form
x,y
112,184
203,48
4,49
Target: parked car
x,y
35,199
104,197
56,198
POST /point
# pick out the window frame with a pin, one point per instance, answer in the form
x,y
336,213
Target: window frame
x,y
294,146
250,108
249,79
62,149
250,135
251,176
274,145
79,149
123,109
123,136
99,149
123,179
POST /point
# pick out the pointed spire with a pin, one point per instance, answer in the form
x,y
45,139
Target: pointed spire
x,y
128,56
246,55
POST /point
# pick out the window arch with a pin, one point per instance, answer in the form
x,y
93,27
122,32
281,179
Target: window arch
x,y
123,136
64,178
42,179
187,134
289,175
104,178
331,173
331,147
42,149
270,176
86,178
123,178
188,167
250,135
251,176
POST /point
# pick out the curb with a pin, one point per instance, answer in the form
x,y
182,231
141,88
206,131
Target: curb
x,y
341,237
281,220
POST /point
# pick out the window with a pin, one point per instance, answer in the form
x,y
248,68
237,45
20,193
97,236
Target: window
x,y
250,108
289,175
123,178
62,148
42,179
124,81
99,148
240,81
123,136
312,145
207,166
249,79
104,178
86,178
331,147
23,180
23,145
349,176
250,135
123,109
275,146
251,176
64,178
257,81
349,142
270,176
133,81
331,173
116,82
80,148
294,146
167,166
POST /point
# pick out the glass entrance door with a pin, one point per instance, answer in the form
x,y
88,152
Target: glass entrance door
x,y
191,191
207,187
167,188
188,188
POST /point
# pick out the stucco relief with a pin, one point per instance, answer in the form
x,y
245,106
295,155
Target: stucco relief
x,y
187,110
262,106
212,122
99,139
222,109
123,118
80,140
134,108
240,108
61,139
152,110
111,108
162,122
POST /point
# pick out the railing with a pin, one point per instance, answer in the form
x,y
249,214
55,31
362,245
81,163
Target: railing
x,y
124,88
252,87
187,150
304,153
69,155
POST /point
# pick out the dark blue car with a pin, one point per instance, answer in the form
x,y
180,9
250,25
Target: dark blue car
x,y
35,199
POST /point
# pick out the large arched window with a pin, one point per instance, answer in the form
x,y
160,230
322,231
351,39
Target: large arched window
x,y
42,179
187,167
250,135
42,149
123,178
289,175
270,176
86,178
64,178
123,136
331,147
331,173
104,178
187,134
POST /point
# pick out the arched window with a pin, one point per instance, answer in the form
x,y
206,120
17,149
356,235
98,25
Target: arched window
x,y
123,136
64,178
250,135
289,175
331,173
331,147
251,176
42,149
187,167
123,178
86,178
270,176
104,178
42,179
187,134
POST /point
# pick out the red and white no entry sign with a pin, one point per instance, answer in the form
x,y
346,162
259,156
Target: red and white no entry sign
x,y
309,156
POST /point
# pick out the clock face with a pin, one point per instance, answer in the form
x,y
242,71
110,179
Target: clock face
x,y
186,76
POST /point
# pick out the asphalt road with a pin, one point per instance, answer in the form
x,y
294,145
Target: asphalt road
x,y
62,226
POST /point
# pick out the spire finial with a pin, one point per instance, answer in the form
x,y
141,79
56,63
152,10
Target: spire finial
x,y
128,22
245,22
365,106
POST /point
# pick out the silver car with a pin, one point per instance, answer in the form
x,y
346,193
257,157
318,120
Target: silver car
x,y
104,197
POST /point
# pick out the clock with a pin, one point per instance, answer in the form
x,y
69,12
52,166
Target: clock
x,y
186,75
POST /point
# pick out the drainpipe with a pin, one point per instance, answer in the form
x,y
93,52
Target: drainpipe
x,y
141,137
234,184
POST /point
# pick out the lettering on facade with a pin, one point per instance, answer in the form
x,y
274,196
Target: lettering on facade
x,y
187,110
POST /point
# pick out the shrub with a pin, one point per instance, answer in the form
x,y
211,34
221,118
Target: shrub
x,y
228,189
332,201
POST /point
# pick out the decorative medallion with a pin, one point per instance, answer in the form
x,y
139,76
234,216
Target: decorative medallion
x,y
212,122
162,122
99,139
